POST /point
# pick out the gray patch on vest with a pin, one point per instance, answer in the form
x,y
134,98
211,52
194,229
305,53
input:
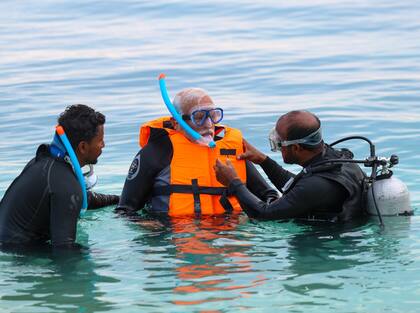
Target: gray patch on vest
x,y
134,168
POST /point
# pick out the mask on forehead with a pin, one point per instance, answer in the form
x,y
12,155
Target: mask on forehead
x,y
312,139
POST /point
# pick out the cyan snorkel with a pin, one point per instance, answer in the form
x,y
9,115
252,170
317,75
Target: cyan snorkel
x,y
76,166
191,132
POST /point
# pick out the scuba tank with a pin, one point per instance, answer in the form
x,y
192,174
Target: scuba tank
x,y
384,194
387,192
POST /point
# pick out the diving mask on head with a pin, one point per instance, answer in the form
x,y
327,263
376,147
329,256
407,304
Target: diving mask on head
x,y
276,143
91,179
274,140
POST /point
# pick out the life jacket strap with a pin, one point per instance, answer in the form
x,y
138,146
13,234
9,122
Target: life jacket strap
x,y
178,188
196,194
196,190
224,201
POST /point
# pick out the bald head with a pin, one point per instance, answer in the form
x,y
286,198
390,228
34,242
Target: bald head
x,y
297,124
188,99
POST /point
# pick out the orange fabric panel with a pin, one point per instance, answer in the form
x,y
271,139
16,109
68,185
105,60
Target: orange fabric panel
x,y
193,161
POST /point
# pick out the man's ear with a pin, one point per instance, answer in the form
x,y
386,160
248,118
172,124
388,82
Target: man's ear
x,y
82,147
296,147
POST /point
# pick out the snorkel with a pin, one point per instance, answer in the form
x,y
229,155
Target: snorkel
x,y
191,132
76,166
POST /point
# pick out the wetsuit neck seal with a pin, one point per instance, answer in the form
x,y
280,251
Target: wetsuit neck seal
x,y
57,148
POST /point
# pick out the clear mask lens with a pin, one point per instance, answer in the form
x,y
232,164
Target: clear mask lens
x,y
274,140
91,179
199,117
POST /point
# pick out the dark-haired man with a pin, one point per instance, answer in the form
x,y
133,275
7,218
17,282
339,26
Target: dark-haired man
x,y
320,191
43,203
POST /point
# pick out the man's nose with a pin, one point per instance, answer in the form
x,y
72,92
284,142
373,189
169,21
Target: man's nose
x,y
208,122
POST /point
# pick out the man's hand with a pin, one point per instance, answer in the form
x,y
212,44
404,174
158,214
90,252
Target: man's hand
x,y
252,154
225,173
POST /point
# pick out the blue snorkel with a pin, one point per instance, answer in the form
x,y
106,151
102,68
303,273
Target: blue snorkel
x,y
76,166
191,132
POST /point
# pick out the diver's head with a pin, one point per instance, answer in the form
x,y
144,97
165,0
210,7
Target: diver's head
x,y
299,136
84,128
198,110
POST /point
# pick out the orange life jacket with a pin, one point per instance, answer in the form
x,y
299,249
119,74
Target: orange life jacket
x,y
193,187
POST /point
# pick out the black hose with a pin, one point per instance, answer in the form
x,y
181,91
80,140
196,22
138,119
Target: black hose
x,y
372,161
373,177
371,145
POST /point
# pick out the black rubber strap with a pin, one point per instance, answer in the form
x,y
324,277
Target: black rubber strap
x,y
224,201
167,190
196,194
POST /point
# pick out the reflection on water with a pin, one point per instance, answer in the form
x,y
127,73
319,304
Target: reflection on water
x,y
219,263
65,282
354,63
209,256
326,248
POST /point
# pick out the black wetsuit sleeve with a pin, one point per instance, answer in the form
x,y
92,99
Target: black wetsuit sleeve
x,y
65,205
98,200
258,186
275,173
148,162
309,195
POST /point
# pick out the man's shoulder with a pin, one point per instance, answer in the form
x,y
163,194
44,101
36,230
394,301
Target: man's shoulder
x,y
157,152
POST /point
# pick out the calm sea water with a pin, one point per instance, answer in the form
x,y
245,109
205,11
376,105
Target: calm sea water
x,y
354,63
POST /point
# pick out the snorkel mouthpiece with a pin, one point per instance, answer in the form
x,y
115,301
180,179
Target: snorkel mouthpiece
x,y
76,166
191,132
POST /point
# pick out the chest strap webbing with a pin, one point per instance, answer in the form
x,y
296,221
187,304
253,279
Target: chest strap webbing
x,y
196,190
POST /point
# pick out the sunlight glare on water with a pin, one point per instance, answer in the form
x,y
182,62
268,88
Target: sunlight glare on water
x,y
356,64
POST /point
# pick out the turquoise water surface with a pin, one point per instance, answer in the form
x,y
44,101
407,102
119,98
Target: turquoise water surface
x,y
356,64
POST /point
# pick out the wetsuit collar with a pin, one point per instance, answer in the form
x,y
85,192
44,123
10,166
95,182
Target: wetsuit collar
x,y
316,158
57,148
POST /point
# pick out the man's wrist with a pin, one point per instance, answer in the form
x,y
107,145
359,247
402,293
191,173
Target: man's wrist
x,y
234,185
261,158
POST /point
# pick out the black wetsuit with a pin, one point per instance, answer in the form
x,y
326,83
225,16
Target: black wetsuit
x,y
43,203
326,192
156,157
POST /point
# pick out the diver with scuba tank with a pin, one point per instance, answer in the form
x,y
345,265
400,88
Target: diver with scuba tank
x,y
331,186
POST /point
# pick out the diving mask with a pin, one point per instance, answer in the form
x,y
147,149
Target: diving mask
x,y
90,177
276,143
274,140
198,117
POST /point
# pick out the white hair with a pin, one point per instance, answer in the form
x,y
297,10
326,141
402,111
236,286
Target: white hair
x,y
190,97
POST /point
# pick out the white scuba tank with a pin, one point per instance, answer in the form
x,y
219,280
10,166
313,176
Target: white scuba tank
x,y
392,197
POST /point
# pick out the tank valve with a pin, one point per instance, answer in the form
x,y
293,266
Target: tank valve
x,y
394,159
